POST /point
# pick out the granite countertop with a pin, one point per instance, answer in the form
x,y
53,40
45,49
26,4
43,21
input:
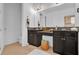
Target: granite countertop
x,y
48,31
67,30
45,31
34,29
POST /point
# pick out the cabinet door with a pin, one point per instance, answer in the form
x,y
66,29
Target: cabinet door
x,y
71,46
71,43
34,38
58,43
31,38
38,39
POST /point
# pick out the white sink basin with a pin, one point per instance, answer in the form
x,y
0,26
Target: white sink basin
x,y
74,29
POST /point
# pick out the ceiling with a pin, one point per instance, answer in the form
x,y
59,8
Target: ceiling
x,y
42,6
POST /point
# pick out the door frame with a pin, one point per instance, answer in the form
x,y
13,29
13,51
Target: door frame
x,y
2,27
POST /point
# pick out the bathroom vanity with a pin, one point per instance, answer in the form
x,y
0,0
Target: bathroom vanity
x,y
65,42
34,38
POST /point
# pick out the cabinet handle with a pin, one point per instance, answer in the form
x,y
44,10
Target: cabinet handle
x,y
62,38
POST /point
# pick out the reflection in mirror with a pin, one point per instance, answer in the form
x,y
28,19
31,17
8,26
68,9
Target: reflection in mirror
x,y
69,21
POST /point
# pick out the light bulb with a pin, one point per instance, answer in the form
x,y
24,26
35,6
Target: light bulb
x,y
33,11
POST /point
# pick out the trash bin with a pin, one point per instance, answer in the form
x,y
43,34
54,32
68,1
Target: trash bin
x,y
44,45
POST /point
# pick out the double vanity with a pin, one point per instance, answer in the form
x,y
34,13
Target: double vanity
x,y
65,42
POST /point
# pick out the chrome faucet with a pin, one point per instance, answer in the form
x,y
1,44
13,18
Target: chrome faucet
x,y
56,27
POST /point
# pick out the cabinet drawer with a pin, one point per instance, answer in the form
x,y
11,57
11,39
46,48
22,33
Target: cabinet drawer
x,y
58,34
70,38
71,34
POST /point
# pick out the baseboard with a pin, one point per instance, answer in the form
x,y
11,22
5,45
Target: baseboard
x,y
11,42
23,45
1,50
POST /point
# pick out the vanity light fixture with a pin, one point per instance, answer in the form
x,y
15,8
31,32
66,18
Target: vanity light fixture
x,y
33,11
36,7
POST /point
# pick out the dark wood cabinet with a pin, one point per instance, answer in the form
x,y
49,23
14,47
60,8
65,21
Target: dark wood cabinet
x,y
57,44
65,42
34,38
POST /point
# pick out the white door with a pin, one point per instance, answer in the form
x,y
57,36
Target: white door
x,y
1,28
